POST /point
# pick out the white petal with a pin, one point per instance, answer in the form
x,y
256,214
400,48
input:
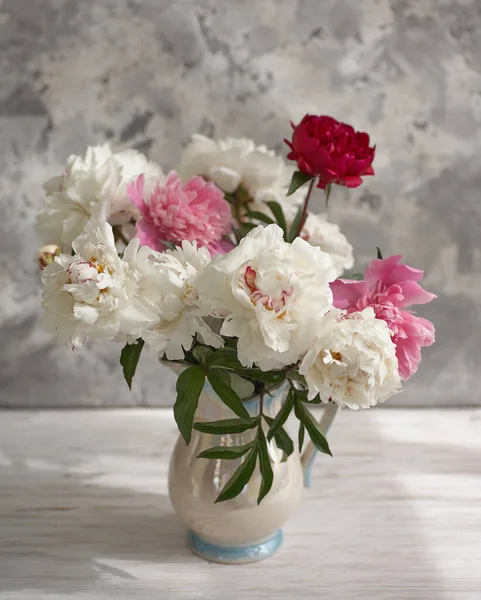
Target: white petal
x,y
85,313
227,179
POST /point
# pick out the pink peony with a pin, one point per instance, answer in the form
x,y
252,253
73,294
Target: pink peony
x,y
390,287
195,211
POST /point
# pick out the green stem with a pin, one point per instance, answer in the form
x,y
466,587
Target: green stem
x,y
261,406
327,193
306,204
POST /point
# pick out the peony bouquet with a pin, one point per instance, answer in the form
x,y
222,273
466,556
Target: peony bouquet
x,y
221,269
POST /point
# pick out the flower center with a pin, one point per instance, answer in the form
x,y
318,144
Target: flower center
x,y
268,301
84,272
190,295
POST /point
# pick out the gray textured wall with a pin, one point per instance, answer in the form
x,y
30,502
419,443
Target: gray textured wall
x,y
149,73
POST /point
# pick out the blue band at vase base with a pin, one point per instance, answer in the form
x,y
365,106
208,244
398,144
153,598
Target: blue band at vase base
x,y
232,555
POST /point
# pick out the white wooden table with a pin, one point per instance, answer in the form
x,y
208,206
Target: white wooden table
x,y
84,512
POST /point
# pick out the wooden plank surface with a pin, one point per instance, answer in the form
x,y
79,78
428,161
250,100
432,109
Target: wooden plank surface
x,y
84,512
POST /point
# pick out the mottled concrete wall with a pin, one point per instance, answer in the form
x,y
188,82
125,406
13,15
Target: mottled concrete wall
x,y
149,73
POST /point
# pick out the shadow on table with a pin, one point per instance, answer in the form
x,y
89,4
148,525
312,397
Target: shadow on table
x,y
73,530
362,531
94,538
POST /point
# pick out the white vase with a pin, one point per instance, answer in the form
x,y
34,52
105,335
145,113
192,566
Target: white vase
x,y
237,530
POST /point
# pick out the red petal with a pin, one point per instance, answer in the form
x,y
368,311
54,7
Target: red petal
x,y
351,181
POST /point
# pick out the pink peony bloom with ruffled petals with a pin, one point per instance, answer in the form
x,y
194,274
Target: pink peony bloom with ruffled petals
x,y
174,212
388,288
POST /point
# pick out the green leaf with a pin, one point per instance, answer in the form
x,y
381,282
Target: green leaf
x,y
353,275
201,353
230,343
264,376
281,416
227,395
291,236
318,439
129,359
189,386
264,465
315,400
241,386
327,192
226,426
298,179
278,213
168,245
238,234
284,442
255,214
379,254
226,452
225,375
282,438
300,395
302,432
296,376
243,230
241,476
224,359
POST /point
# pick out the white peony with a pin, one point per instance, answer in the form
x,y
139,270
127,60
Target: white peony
x,y
236,163
95,294
319,232
132,163
174,293
91,187
268,292
353,361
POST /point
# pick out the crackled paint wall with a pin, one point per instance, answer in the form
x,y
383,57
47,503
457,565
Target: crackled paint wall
x,y
149,73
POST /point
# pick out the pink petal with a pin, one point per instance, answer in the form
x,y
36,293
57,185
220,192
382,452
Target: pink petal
x,y
414,294
221,247
148,235
417,333
346,293
135,191
418,328
409,357
404,273
380,269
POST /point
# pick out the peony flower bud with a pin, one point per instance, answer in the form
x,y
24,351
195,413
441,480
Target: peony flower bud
x,y
46,255
332,151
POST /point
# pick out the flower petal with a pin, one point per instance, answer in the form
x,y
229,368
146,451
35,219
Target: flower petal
x,y
346,293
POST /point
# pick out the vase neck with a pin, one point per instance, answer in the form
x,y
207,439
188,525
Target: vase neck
x,y
211,408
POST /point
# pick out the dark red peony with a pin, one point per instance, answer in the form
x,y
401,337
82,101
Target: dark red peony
x,y
332,151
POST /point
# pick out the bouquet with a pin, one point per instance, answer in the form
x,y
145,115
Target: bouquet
x,y
223,271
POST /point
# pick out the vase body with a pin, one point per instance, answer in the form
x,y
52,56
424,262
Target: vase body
x,y
237,530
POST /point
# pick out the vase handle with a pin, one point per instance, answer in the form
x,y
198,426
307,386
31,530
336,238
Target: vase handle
x,y
309,454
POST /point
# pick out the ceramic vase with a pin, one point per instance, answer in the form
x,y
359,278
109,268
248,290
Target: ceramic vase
x,y
237,530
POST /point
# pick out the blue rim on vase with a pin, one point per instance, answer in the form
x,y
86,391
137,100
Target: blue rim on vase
x,y
234,554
